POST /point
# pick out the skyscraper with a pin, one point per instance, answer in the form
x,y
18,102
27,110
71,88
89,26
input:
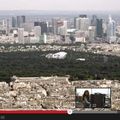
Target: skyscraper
x,y
14,22
37,31
99,28
43,38
77,23
7,27
28,26
21,35
111,30
59,26
37,23
83,16
94,20
62,28
82,23
91,33
54,25
20,20
43,25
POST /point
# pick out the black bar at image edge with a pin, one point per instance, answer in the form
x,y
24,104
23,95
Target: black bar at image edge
x,y
61,117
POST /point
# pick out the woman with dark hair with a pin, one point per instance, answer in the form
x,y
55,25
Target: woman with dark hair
x,y
86,99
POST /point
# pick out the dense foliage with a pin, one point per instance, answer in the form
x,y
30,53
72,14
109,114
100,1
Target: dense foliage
x,y
36,64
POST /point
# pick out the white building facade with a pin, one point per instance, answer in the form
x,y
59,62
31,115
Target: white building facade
x,y
111,30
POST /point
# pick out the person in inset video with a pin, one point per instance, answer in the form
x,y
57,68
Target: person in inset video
x,y
86,99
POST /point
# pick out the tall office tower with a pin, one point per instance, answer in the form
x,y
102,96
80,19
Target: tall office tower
x,y
92,31
14,22
37,23
54,25
83,16
21,35
50,28
65,22
77,23
43,25
2,27
111,30
59,26
62,27
37,31
74,22
82,23
99,28
20,20
7,27
28,26
45,38
70,23
104,28
94,20
3,23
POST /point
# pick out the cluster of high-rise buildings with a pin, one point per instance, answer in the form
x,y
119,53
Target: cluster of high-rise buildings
x,y
97,29
58,30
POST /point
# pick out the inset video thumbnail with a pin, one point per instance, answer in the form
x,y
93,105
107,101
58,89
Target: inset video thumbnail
x,y
93,98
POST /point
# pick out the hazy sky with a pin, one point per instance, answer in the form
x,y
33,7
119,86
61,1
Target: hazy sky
x,y
60,5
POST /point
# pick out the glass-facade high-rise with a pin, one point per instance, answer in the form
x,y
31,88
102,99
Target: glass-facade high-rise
x,y
111,30
99,28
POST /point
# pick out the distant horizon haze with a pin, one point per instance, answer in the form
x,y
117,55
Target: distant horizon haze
x,y
55,12
61,5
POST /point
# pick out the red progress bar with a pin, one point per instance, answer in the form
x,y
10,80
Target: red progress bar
x,y
33,112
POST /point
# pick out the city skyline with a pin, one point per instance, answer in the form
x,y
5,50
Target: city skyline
x,y
72,5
